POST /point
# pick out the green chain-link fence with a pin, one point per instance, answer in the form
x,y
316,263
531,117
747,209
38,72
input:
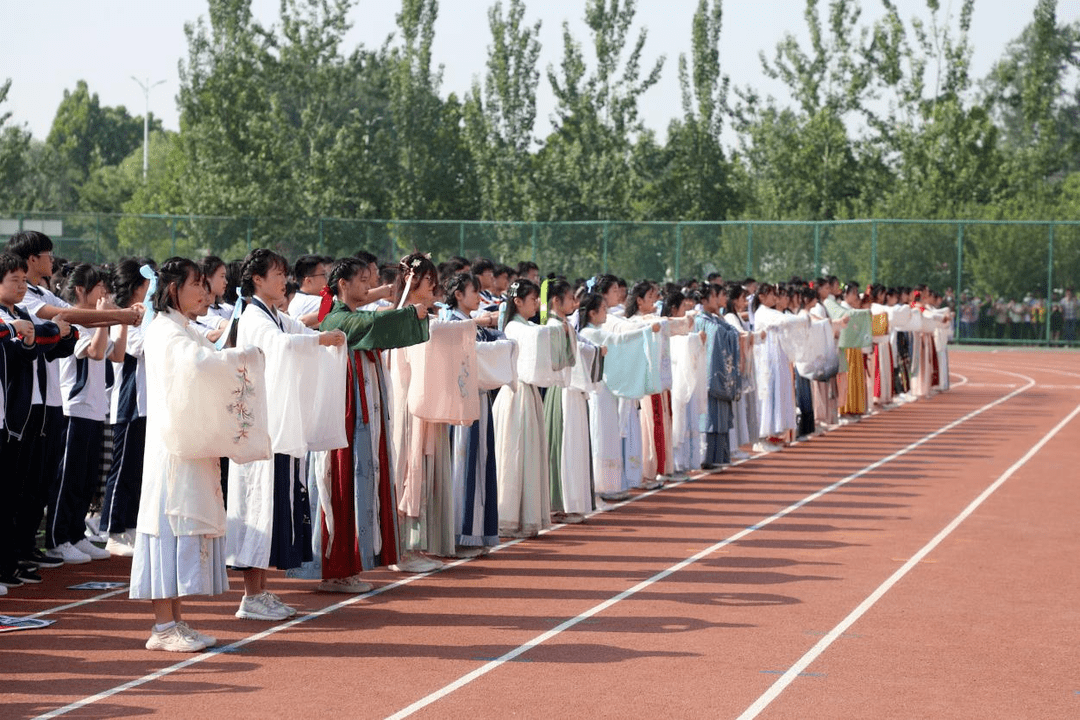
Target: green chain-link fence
x,y
1009,269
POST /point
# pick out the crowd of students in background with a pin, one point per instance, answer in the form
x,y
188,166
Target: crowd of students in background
x,y
328,417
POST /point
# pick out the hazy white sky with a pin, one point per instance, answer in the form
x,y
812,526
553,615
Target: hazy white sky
x,y
51,44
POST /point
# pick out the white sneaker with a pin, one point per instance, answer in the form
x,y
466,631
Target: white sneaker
x,y
208,641
173,640
3,590
129,537
93,551
344,585
412,562
277,601
740,455
117,545
468,551
260,607
69,554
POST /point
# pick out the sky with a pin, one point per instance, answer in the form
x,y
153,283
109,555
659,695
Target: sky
x,y
52,44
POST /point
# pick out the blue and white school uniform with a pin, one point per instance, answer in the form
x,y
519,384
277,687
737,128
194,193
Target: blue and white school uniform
x,y
120,506
85,402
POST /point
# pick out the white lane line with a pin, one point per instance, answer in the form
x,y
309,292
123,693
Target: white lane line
x,y
963,379
784,680
539,639
87,601
386,588
300,618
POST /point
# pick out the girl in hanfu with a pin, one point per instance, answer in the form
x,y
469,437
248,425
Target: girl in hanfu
x,y
745,426
205,404
435,386
269,516
476,508
689,387
882,359
655,409
521,440
357,500
611,423
853,339
566,411
775,381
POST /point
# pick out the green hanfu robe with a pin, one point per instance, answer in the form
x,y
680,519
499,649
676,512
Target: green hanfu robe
x,y
357,498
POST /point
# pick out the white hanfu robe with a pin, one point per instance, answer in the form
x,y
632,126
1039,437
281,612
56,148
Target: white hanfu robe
x,y
775,382
611,421
306,412
688,391
203,404
521,445
435,386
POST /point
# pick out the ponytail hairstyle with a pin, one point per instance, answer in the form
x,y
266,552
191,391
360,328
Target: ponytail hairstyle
x,y
556,288
591,303
344,269
126,280
173,274
412,270
763,290
459,283
232,280
259,263
520,289
604,283
735,291
636,296
672,301
82,275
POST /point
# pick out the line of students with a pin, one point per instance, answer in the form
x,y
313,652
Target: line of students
x,y
397,424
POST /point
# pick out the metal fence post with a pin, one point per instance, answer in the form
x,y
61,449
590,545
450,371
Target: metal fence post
x,y
605,247
959,259
678,250
249,234
172,235
1049,283
461,239
534,242
97,236
873,251
322,243
817,249
749,250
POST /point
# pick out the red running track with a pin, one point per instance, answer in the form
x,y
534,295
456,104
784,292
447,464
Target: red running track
x,y
749,592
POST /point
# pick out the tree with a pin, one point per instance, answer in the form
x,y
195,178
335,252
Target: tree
x,y
584,166
1027,95
499,118
693,178
14,144
802,162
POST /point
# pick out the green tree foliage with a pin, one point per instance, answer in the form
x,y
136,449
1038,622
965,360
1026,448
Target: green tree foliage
x,y
500,116
583,169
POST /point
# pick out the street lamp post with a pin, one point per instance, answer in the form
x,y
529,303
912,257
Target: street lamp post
x,y
146,88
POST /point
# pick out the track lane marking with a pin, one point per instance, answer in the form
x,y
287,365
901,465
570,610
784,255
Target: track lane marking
x,y
304,617
566,625
822,645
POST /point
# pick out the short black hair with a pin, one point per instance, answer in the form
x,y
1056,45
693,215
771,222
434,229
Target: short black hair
x,y
365,257
9,263
28,243
306,265
259,262
482,265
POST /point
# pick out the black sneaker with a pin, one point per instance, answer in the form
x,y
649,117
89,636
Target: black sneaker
x,y
42,560
28,576
27,565
10,580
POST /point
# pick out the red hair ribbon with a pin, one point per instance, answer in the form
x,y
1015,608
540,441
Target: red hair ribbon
x,y
326,303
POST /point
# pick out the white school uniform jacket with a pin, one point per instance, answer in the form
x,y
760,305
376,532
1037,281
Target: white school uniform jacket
x,y
36,298
82,380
